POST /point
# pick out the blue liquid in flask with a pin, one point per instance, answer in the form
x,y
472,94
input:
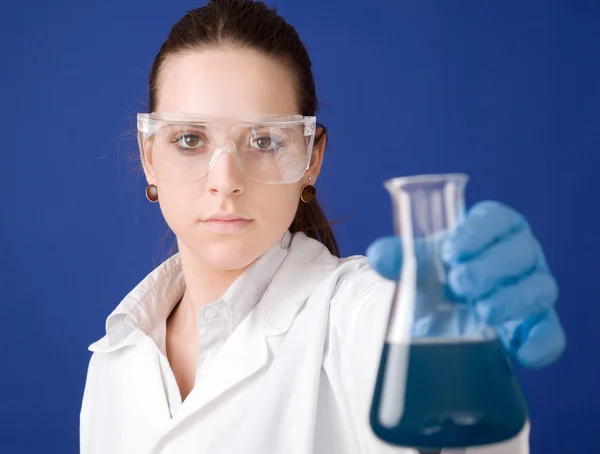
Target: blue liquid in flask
x,y
457,394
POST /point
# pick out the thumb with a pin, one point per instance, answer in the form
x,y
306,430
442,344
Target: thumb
x,y
385,256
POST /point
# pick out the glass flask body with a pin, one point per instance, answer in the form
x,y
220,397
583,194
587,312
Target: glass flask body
x,y
444,380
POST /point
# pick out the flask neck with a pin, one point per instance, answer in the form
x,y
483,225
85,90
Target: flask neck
x,y
425,208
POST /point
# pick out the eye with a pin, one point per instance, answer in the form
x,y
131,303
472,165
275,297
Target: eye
x,y
266,143
188,140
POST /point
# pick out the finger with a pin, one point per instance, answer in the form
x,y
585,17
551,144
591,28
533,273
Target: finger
x,y
543,341
505,262
385,257
507,333
534,294
485,224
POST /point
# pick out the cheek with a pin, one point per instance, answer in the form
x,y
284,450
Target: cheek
x,y
179,205
277,205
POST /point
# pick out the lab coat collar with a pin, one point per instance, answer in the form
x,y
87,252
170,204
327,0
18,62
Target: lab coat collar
x,y
246,351
129,322
308,263
158,291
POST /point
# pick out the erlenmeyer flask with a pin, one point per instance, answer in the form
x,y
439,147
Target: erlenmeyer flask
x,y
444,380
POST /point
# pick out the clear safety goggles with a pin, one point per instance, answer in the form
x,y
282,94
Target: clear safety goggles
x,y
184,148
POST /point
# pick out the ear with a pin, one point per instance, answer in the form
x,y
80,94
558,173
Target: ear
x,y
316,160
146,160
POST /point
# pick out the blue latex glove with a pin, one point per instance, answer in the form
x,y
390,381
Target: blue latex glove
x,y
495,261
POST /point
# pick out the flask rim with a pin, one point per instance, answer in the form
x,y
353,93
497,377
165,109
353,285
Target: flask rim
x,y
398,182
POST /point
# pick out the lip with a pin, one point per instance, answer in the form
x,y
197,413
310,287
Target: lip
x,y
226,217
227,223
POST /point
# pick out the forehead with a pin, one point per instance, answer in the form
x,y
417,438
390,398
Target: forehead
x,y
226,82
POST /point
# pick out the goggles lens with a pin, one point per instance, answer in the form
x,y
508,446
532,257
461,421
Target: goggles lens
x,y
182,148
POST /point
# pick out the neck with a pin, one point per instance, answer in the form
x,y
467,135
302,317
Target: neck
x,y
204,284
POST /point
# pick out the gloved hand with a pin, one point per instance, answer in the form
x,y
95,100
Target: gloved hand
x,y
495,261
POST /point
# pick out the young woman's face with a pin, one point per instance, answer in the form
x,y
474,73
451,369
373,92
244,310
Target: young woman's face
x,y
232,83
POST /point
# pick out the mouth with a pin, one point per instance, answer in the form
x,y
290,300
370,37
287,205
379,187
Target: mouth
x,y
227,223
226,217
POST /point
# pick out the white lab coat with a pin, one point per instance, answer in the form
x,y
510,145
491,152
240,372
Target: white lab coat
x,y
295,377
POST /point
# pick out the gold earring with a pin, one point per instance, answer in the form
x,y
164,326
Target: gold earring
x,y
308,192
152,193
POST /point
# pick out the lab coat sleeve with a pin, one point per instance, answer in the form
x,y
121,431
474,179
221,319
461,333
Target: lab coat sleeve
x,y
86,406
359,314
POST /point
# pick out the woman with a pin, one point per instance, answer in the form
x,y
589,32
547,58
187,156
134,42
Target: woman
x,y
256,337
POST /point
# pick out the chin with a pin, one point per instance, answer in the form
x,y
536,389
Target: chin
x,y
229,252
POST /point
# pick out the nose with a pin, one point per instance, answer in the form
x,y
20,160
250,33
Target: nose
x,y
225,177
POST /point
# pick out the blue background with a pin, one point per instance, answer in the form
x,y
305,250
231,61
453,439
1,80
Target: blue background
x,y
508,92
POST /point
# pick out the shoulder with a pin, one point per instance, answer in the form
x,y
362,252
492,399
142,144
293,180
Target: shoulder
x,y
356,279
349,277
359,289
356,274
350,273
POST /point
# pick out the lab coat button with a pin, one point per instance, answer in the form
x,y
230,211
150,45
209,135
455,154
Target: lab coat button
x,y
210,313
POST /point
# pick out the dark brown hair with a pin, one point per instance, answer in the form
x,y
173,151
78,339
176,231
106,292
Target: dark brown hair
x,y
244,23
